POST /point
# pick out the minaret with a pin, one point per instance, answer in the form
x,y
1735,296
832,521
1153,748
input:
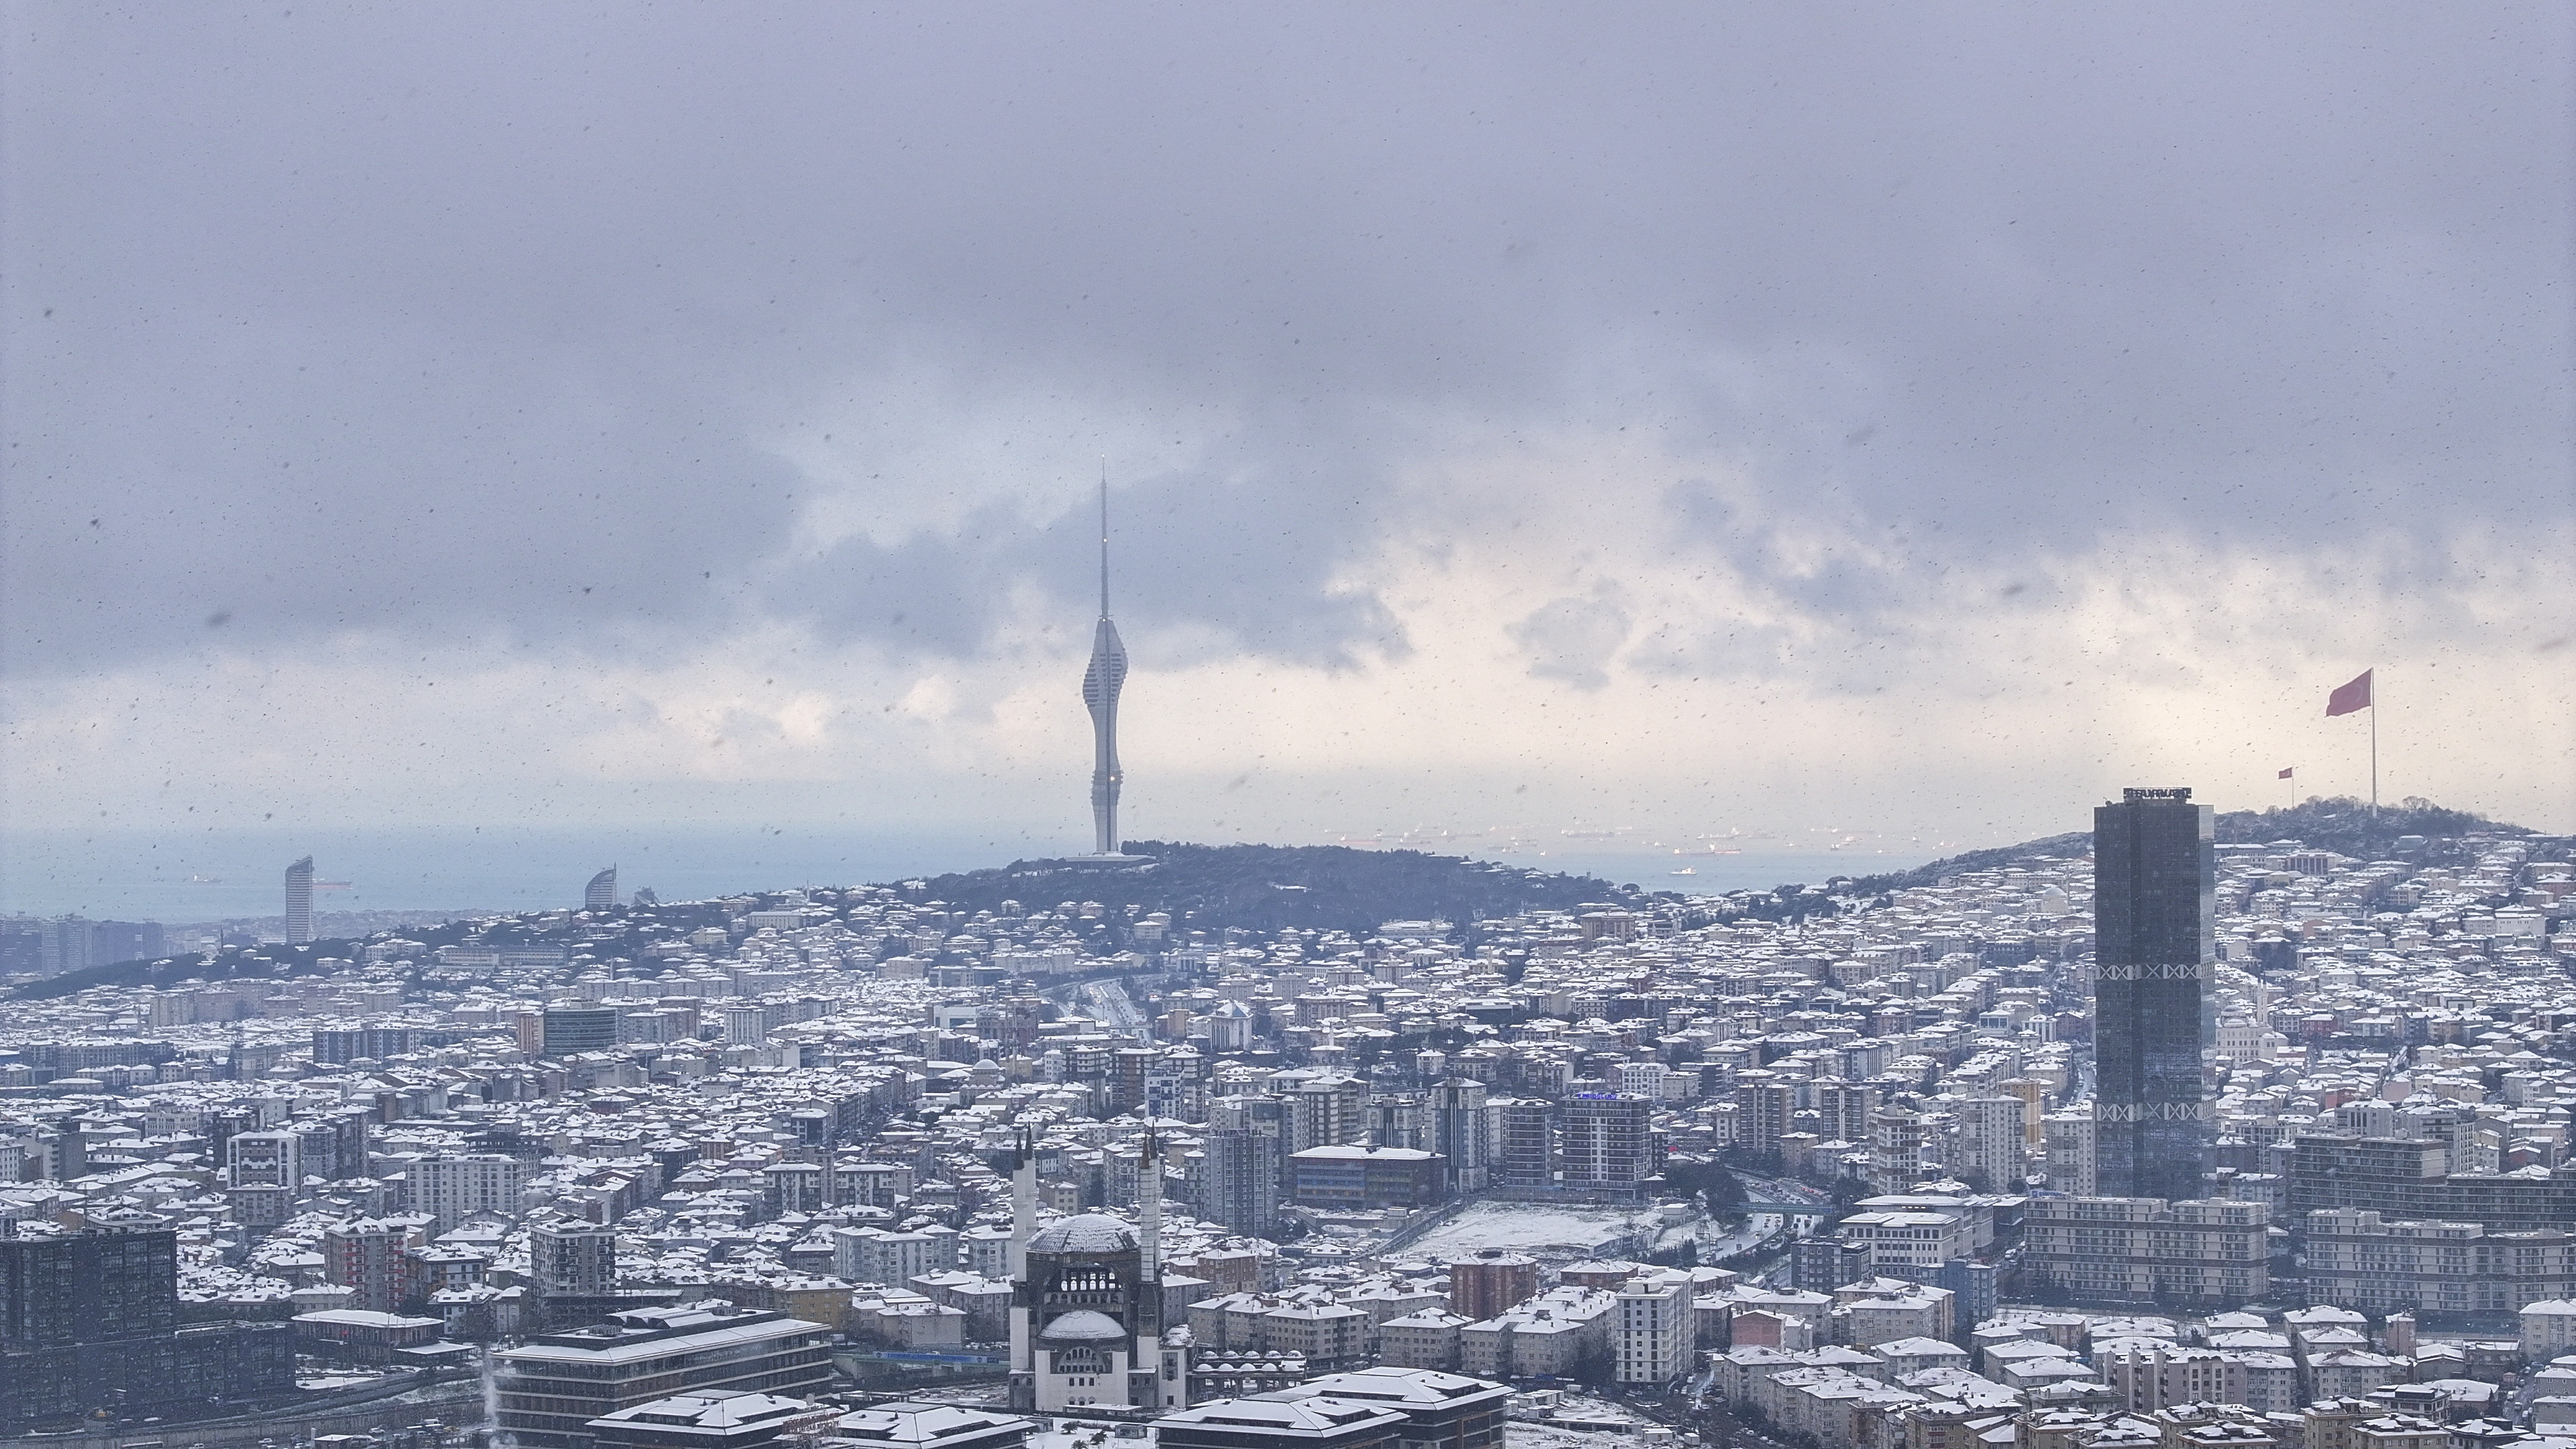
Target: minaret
x,y
1024,1223
1150,1390
1100,685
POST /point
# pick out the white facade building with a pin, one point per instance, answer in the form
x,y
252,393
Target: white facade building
x,y
1652,1328
452,1189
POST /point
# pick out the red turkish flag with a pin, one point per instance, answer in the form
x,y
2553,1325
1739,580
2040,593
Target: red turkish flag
x,y
2353,696
2285,774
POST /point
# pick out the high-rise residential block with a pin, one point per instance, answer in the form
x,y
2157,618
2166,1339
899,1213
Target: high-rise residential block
x,y
1652,1328
1239,1171
1523,1147
1986,1142
265,1159
2069,1136
1607,1140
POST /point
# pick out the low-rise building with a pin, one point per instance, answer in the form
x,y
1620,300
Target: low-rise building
x,y
1427,1340
1281,1421
903,1425
552,1386
358,1335
1908,1244
1342,1176
1559,1332
717,1420
1441,1410
2548,1328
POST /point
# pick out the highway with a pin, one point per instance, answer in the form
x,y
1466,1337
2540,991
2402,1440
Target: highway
x,y
1107,1002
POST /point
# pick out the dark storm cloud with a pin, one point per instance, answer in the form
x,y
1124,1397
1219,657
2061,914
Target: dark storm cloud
x,y
338,317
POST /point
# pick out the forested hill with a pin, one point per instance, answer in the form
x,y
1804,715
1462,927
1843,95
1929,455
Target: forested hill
x,y
2340,824
1272,887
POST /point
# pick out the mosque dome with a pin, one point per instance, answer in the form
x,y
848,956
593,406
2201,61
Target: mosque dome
x,y
1088,1233
1082,1325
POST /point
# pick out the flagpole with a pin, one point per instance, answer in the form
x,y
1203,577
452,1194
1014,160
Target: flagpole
x,y
2374,743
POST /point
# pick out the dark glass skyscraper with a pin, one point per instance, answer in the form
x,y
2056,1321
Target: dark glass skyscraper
x,y
2155,898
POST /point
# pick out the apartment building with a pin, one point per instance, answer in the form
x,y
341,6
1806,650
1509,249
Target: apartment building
x,y
2113,1249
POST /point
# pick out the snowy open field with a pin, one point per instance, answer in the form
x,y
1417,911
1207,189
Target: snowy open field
x,y
1553,1234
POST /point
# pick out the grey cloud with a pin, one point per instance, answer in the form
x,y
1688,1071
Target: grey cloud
x,y
1250,556
282,284
1574,638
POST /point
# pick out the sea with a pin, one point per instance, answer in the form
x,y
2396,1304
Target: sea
x,y
237,874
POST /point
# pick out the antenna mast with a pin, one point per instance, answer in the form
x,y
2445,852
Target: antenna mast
x,y
1104,536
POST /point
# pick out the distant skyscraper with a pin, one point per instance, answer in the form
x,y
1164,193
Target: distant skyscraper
x,y
601,893
2155,911
299,901
1100,685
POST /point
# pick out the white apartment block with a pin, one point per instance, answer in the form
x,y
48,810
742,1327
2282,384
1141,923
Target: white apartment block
x,y
452,1189
873,1255
1653,1328
2548,1328
1910,1245
2068,1138
1986,1143
265,1159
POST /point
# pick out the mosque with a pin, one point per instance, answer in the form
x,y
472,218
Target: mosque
x,y
1086,1302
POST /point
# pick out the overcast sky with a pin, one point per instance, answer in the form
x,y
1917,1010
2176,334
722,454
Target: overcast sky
x,y
1701,417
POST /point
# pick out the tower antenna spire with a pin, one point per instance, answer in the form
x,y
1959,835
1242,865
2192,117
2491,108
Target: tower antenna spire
x,y
1104,535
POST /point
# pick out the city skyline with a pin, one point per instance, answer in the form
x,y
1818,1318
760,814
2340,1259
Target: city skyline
x,y
1641,534
1537,430
2040,1141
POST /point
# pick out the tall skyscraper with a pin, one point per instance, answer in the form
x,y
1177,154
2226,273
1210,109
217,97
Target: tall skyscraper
x,y
601,893
2155,912
299,902
1100,685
